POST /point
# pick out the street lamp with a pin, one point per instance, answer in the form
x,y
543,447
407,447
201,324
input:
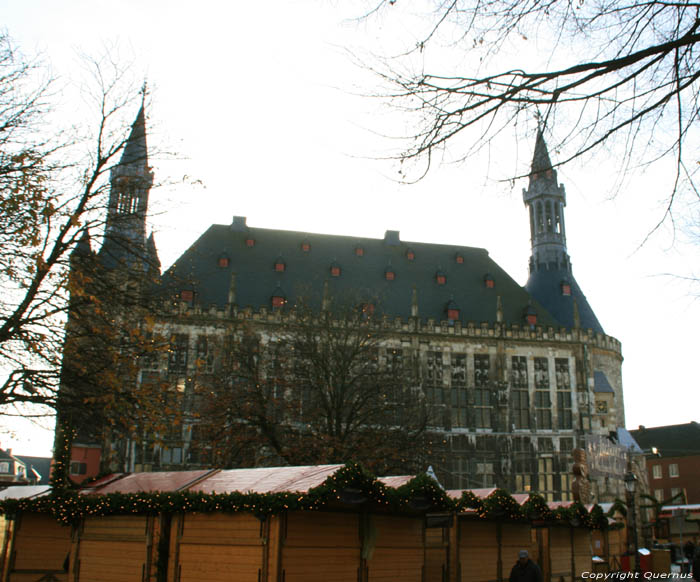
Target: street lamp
x,y
631,486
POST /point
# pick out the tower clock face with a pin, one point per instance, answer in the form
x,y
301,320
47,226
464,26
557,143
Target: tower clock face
x,y
602,407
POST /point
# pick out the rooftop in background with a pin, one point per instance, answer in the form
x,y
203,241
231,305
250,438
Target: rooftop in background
x,y
676,440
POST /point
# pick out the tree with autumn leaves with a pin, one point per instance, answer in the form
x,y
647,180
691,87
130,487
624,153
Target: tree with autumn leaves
x,y
59,320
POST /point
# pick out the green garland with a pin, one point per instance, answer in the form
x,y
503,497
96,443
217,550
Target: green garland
x,y
350,484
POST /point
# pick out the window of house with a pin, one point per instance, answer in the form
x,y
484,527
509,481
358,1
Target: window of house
x,y
459,259
187,295
482,394
389,274
78,468
523,483
4,467
278,301
458,385
280,266
305,247
566,288
484,474
566,492
676,491
410,255
359,251
205,357
673,470
659,494
461,471
489,281
545,478
177,353
563,380
434,388
224,262
520,398
543,400
171,456
440,278
656,471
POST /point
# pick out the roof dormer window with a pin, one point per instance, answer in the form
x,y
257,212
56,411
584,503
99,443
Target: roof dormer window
x,y
410,255
367,310
389,274
187,295
335,270
452,310
531,316
250,242
489,281
459,259
280,265
224,262
566,288
359,251
440,278
278,299
305,246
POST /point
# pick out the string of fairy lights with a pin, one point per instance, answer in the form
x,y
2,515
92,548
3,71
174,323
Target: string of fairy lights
x,y
350,484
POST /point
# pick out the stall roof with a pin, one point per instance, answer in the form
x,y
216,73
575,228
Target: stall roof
x,y
24,491
267,479
156,481
396,480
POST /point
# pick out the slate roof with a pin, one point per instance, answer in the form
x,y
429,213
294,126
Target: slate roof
x,y
362,278
676,440
545,286
600,383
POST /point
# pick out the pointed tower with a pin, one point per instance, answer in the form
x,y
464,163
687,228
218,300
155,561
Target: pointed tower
x,y
130,184
551,279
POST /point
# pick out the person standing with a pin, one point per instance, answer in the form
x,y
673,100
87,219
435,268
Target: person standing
x,y
525,570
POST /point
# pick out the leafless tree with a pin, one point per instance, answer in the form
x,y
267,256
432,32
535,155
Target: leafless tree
x,y
325,388
623,74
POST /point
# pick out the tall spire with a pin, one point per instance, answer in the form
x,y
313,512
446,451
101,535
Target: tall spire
x,y
545,200
540,160
551,280
130,183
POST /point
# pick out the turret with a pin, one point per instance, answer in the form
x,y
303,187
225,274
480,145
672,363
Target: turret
x,y
130,184
551,279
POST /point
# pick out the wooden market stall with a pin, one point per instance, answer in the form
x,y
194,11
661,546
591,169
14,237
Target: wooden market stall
x,y
284,524
34,545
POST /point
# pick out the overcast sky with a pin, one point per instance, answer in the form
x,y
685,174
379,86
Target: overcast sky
x,y
265,105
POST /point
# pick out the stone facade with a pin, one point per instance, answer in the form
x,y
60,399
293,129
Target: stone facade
x,y
511,385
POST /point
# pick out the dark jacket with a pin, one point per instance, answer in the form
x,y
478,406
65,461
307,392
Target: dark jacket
x,y
530,572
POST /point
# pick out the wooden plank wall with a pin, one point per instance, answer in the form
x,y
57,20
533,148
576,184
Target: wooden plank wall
x,y
617,545
294,547
514,537
216,547
398,549
560,554
114,549
478,551
437,546
318,547
41,546
582,552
